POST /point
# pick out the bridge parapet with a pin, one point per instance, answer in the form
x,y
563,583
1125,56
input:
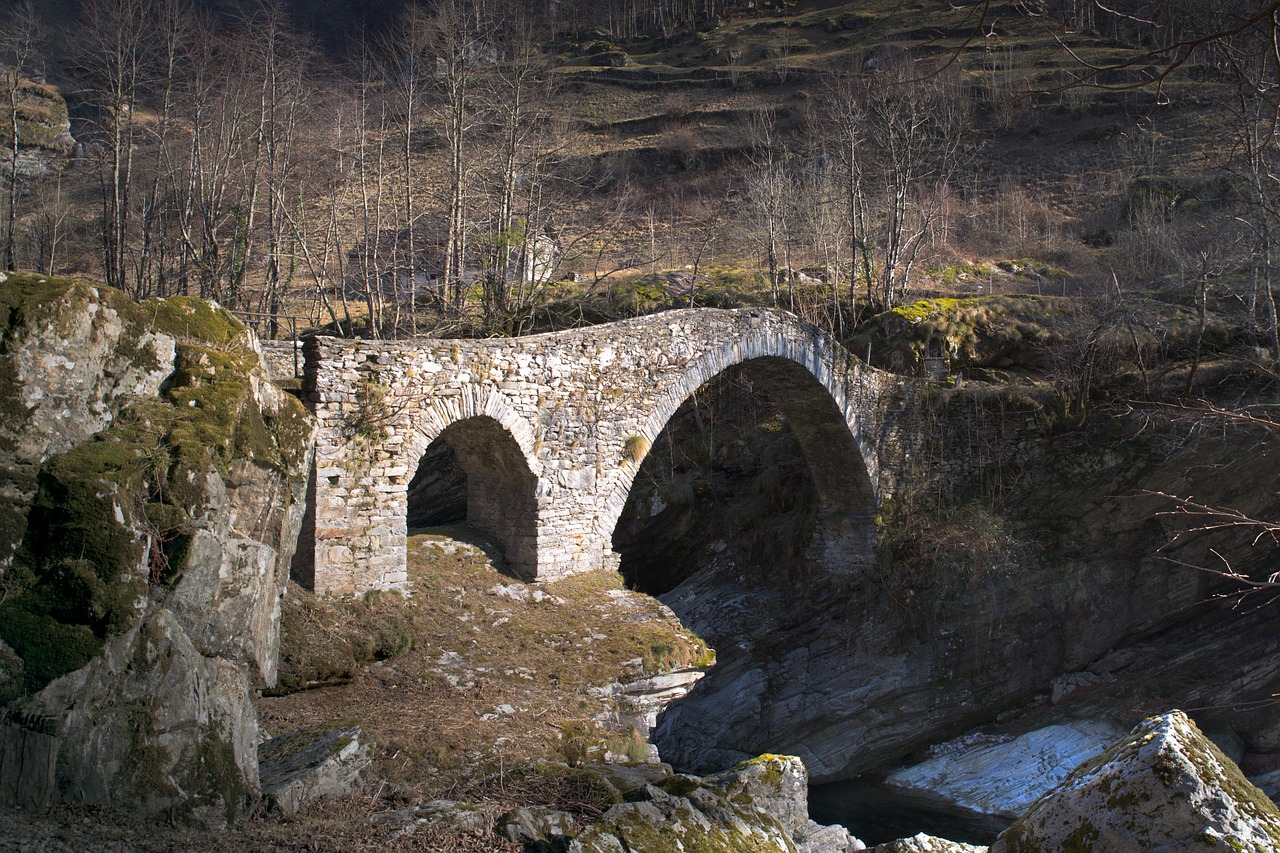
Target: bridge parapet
x,y
551,430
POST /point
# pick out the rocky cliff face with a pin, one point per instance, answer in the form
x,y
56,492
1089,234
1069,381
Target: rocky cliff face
x,y
44,131
158,480
968,615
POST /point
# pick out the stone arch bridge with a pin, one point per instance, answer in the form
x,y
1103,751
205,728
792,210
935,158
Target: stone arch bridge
x,y
551,430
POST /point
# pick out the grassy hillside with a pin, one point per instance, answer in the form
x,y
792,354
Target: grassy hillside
x,y
643,154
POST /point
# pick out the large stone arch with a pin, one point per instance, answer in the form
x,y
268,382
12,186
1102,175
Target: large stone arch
x,y
577,407
811,380
496,449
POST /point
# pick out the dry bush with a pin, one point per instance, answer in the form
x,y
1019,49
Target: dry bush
x,y
679,147
947,551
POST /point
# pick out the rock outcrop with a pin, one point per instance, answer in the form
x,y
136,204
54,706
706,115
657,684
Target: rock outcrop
x,y
759,805
923,843
74,357
44,130
1005,777
327,760
160,482
1164,787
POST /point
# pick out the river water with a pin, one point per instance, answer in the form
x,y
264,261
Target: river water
x,y
876,813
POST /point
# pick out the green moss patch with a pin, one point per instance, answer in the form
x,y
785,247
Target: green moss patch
x,y
194,319
112,518
987,330
1023,331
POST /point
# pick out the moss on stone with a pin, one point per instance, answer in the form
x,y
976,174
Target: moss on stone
x,y
48,647
1082,840
678,825
27,298
680,785
12,409
114,515
217,777
186,317
42,118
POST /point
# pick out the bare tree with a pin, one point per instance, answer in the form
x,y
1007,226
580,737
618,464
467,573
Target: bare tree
x,y
174,27
116,44
901,135
459,49
1193,519
767,189
370,168
20,35
409,66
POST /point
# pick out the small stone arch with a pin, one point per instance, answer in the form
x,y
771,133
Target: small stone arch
x,y
471,402
495,448
799,375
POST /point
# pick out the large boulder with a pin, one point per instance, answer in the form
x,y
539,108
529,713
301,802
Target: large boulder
x,y
923,843
537,827
1164,787
74,356
159,479
776,784
699,819
44,130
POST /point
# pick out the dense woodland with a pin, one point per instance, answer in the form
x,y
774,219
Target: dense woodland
x,y
399,168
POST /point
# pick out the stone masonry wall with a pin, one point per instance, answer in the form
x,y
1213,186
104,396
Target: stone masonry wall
x,y
559,424
283,359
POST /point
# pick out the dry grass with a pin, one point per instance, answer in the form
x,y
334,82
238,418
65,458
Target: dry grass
x,y
475,672
343,825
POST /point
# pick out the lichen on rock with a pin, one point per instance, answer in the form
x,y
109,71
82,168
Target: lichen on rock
x,y
923,843
759,805
301,767
164,482
1165,786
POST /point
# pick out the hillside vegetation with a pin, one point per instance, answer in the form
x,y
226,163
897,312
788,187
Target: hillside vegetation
x,y
535,169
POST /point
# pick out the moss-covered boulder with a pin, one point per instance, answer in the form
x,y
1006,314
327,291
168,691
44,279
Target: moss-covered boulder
x,y
1164,787
990,331
44,132
777,784
72,356
700,820
158,482
42,118
761,804
1027,332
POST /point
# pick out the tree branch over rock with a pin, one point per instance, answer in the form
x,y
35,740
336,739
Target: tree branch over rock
x,y
1197,518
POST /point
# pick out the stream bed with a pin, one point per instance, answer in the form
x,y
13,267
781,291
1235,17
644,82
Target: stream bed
x,y
877,813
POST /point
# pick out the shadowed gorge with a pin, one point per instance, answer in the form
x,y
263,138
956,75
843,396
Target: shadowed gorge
x,y
725,479
475,426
